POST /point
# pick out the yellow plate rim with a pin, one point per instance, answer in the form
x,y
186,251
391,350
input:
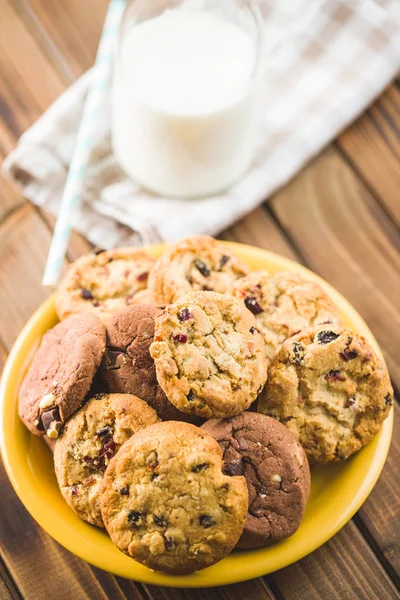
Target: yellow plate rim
x,y
241,568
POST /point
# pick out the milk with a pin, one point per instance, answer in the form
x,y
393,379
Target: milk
x,y
184,103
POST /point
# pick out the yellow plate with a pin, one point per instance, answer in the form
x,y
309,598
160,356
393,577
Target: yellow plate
x,y
338,490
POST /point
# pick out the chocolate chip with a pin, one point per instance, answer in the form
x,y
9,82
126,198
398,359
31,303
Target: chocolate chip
x,y
326,337
298,353
334,376
349,354
160,521
253,306
200,467
206,521
86,294
49,416
185,315
134,517
190,397
180,338
124,491
234,467
152,460
224,259
143,276
388,400
200,266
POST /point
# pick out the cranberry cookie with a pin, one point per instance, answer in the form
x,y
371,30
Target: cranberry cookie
x,y
61,373
197,263
209,356
166,502
330,389
283,305
104,282
88,442
276,470
127,366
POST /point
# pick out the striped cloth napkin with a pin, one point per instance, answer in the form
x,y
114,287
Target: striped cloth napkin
x,y
326,61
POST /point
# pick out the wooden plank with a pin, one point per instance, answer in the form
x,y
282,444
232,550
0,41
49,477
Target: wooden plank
x,y
343,568
348,239
255,589
372,146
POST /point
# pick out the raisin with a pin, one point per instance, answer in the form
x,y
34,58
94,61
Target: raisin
x,y
253,330
105,431
185,315
326,337
124,491
200,266
199,467
86,294
334,376
169,543
134,517
253,306
142,276
190,396
223,260
349,354
160,521
235,467
388,400
180,338
298,353
152,460
206,521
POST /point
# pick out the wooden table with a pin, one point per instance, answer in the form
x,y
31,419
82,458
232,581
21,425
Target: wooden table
x,y
340,216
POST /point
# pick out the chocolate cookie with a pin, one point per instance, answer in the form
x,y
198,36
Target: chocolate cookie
x,y
330,389
283,305
276,470
197,263
127,366
209,357
89,440
166,503
61,373
104,282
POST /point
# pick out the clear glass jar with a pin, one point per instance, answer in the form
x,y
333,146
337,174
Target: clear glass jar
x,y
185,94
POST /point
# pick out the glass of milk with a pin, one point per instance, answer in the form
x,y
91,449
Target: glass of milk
x,y
185,94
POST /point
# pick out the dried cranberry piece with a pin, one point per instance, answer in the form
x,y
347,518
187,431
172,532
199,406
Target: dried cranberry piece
x,y
224,259
334,376
108,450
326,337
143,276
202,267
134,517
160,520
253,306
74,491
349,354
206,521
180,338
96,303
185,315
200,467
124,491
86,294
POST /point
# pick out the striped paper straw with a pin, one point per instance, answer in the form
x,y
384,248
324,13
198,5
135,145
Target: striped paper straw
x,y
82,151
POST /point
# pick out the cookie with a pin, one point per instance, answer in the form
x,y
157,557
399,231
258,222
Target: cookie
x,y
61,373
89,440
330,389
197,263
283,305
276,470
209,356
166,502
127,366
104,282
